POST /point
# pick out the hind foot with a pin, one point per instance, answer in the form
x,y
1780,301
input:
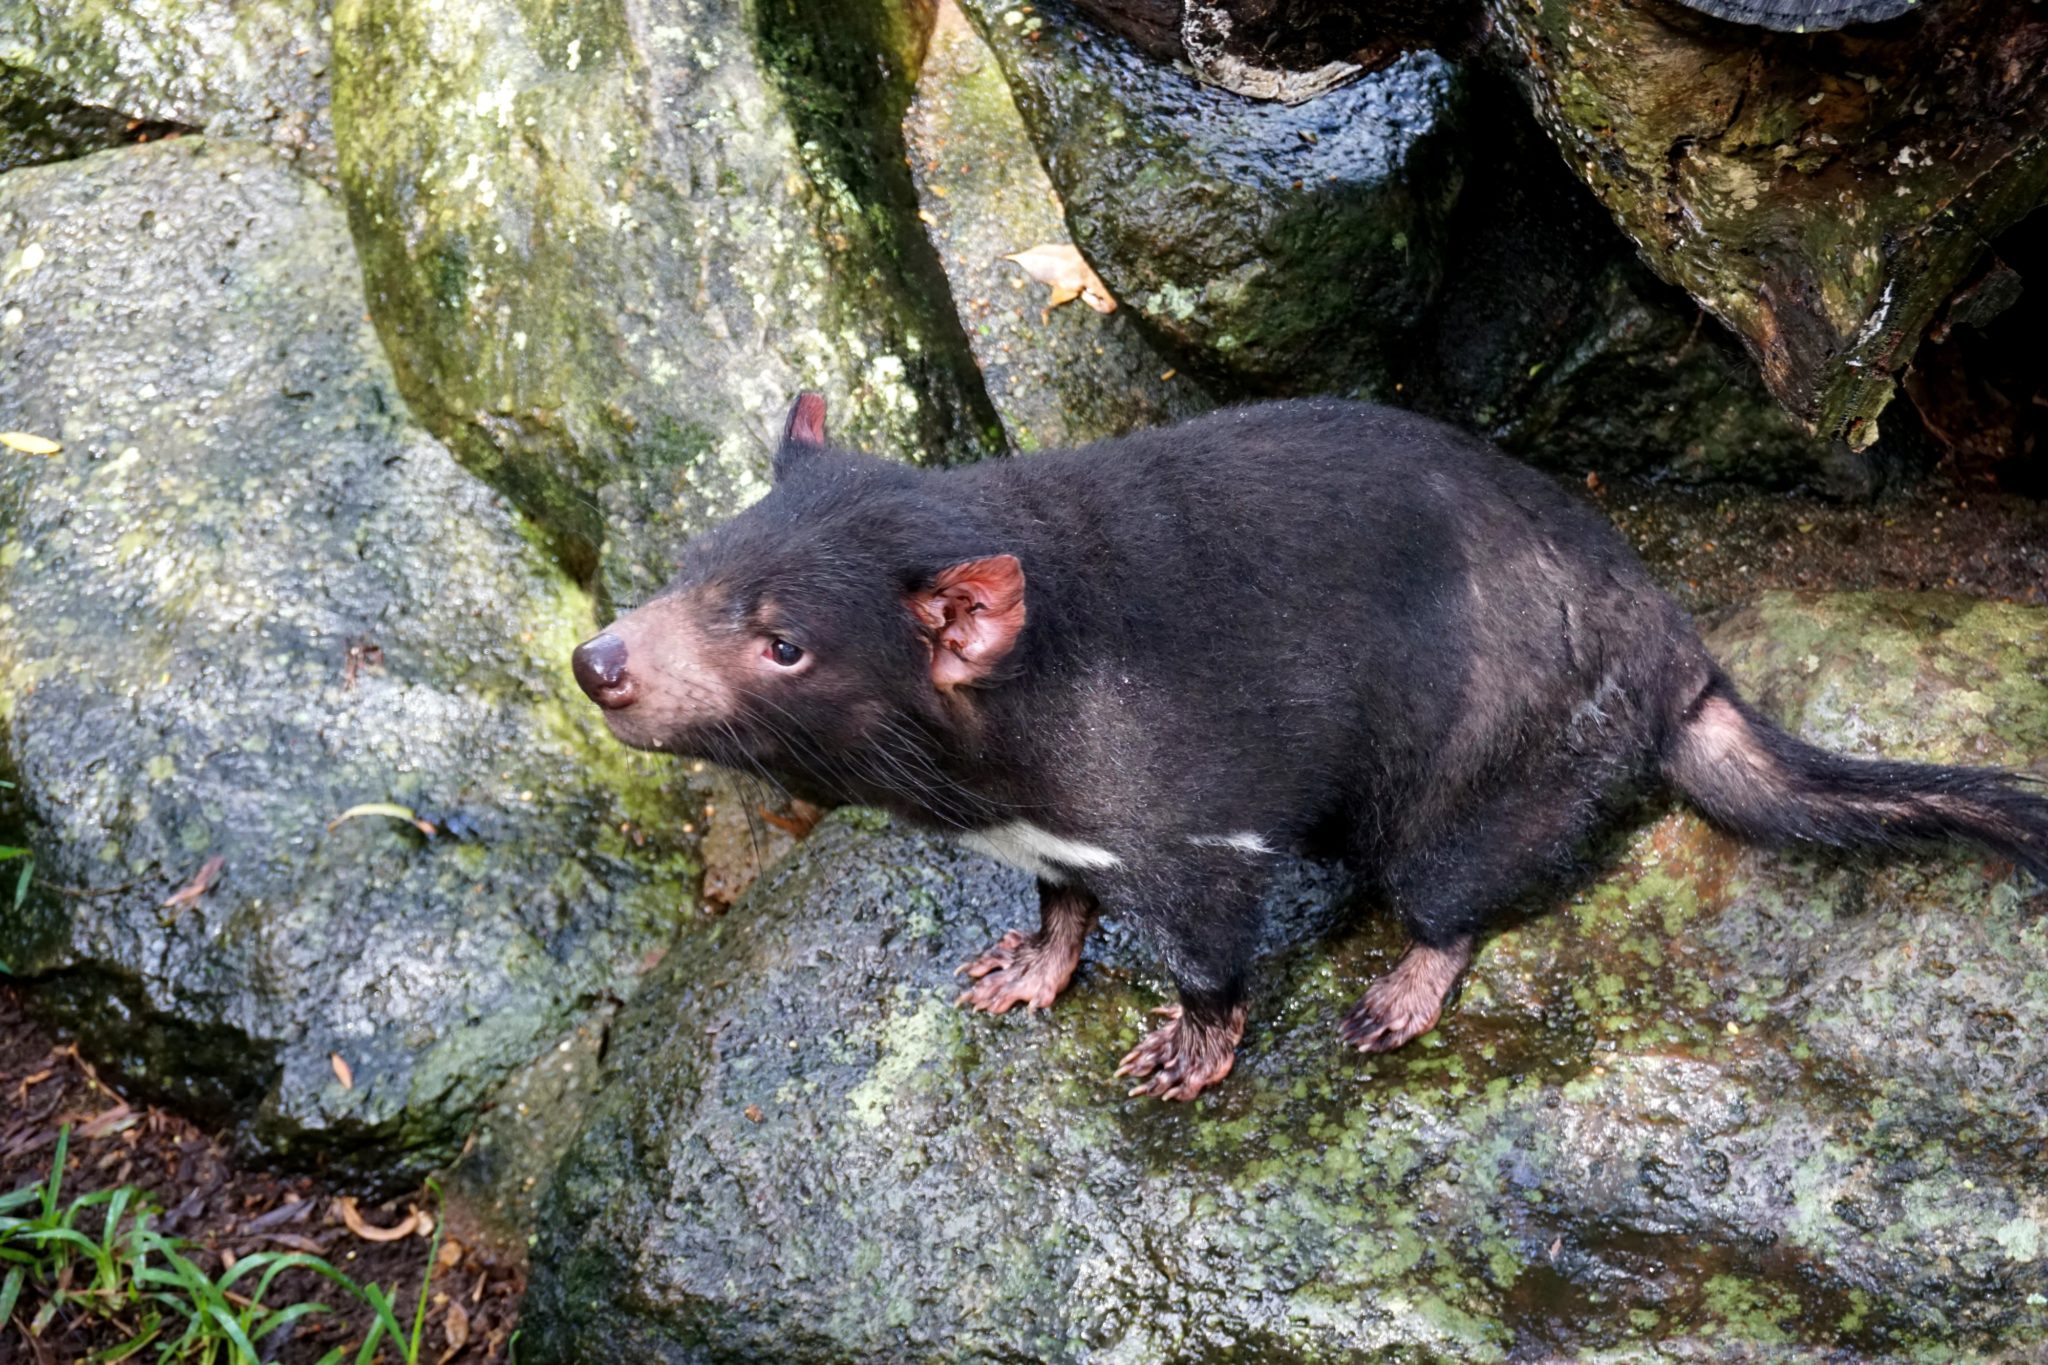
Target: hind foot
x,y
1185,1055
1407,1001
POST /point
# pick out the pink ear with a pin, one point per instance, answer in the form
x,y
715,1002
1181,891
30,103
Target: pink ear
x,y
973,611
806,424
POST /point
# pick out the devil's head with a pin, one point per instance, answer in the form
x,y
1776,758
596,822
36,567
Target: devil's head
x,y
849,613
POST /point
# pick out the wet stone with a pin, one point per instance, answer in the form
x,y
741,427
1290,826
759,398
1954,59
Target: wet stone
x,y
247,596
1715,1101
80,75
1059,376
1270,248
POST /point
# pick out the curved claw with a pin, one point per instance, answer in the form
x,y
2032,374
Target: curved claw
x,y
1020,969
1183,1057
1407,1002
1380,1024
995,959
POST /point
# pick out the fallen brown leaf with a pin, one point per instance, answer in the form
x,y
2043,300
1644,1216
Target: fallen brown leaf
x,y
456,1326
343,1072
799,820
1060,265
202,882
115,1120
369,1232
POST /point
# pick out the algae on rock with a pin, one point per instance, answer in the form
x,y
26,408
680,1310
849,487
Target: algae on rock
x,y
80,75
605,243
1553,339
1719,1101
248,595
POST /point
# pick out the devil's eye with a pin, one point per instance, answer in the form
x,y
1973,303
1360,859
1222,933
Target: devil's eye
x,y
785,653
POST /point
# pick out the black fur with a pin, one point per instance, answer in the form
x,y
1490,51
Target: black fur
x,y
1312,621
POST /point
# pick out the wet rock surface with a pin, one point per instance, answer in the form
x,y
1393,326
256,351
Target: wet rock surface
x,y
1252,240
1553,339
604,245
248,595
80,75
1272,248
1058,376
1720,1101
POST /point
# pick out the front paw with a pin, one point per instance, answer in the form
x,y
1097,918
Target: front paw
x,y
1022,970
1386,1017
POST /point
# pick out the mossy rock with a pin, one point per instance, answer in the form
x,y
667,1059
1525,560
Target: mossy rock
x,y
1552,338
1271,248
80,75
606,243
1718,1103
248,595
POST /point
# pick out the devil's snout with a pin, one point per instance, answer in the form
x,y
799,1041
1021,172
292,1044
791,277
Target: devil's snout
x,y
601,671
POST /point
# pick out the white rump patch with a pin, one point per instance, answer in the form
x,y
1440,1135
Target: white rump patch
x,y
1244,841
1040,852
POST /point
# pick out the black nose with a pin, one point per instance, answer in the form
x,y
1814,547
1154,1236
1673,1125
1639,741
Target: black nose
x,y
601,671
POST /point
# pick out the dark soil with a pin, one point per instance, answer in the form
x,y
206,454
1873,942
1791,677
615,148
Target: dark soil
x,y
225,1208
1718,548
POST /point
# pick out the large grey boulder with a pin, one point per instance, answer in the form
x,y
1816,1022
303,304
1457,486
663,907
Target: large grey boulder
x,y
1718,1104
605,244
248,595
1057,375
1410,236
1274,248
80,75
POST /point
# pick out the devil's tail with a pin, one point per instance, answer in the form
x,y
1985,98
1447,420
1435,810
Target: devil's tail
x,y
1746,774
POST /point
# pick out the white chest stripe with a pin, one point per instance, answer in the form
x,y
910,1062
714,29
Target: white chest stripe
x,y
1040,852
1244,841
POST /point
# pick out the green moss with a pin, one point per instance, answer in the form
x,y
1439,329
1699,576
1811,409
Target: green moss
x,y
604,312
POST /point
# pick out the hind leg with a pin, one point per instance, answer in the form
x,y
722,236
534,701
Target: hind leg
x,y
1449,885
1032,969
1407,1001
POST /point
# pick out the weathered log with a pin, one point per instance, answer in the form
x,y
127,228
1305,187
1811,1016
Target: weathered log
x,y
1823,194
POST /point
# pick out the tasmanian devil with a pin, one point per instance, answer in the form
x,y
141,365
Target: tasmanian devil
x,y
1142,669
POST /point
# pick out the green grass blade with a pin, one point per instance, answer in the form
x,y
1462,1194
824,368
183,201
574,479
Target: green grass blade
x,y
56,1180
10,1292
419,1312
368,1351
114,1355
226,1321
